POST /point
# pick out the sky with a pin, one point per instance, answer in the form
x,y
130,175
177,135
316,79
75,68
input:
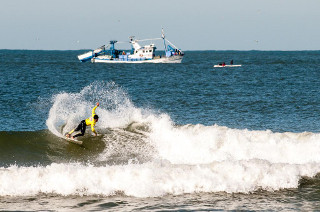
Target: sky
x,y
189,24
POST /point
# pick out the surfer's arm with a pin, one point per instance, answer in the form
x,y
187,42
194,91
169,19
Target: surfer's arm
x,y
93,130
93,123
71,132
94,110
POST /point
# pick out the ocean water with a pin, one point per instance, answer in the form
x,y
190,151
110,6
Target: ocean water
x,y
172,136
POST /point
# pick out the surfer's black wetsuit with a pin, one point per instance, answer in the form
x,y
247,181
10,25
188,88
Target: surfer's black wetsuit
x,y
82,126
84,123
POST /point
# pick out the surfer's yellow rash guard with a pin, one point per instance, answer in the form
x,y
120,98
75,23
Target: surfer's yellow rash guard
x,y
91,121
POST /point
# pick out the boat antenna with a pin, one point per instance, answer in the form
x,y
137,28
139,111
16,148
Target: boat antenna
x,y
164,40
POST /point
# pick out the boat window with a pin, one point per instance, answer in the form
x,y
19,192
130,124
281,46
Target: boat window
x,y
150,50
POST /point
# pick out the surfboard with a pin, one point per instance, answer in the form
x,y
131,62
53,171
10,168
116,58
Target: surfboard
x,y
220,66
75,141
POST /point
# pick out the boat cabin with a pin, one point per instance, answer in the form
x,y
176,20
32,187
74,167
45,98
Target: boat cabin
x,y
147,51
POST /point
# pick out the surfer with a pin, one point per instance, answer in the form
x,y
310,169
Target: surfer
x,y
84,123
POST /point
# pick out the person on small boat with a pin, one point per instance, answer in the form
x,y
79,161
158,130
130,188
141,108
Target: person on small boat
x,y
231,62
91,121
223,64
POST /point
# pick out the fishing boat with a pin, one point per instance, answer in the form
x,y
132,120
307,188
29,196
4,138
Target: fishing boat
x,y
137,54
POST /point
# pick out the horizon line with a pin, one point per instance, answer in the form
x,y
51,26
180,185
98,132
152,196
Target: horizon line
x,y
162,50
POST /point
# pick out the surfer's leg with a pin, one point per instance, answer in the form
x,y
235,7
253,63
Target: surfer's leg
x,y
82,126
76,129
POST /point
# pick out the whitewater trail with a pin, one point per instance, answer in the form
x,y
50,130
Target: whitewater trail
x,y
68,109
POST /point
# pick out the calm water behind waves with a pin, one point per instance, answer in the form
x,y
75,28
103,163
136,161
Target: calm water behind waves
x,y
273,90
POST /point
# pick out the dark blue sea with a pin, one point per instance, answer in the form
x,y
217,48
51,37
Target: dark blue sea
x,y
172,137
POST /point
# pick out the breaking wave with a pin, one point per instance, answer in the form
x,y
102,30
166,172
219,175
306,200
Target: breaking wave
x,y
143,153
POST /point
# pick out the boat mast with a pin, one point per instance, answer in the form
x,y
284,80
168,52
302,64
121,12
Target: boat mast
x,y
131,41
164,40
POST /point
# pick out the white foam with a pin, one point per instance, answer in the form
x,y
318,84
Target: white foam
x,y
116,109
198,144
180,159
152,179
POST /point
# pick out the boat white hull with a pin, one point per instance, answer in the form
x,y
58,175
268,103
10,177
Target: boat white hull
x,y
173,59
220,66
